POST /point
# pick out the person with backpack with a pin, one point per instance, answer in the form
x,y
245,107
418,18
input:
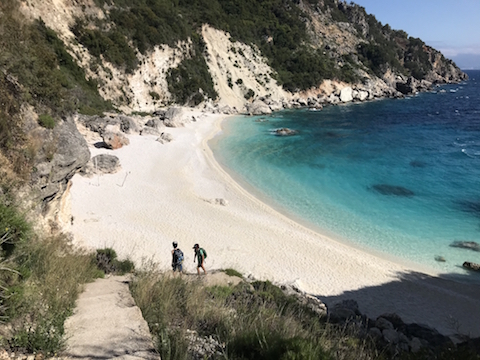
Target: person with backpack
x,y
201,255
177,258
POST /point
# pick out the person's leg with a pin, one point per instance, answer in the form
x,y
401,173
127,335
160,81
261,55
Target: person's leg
x,y
198,269
205,271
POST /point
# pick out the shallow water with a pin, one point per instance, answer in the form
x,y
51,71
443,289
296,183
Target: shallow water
x,y
397,176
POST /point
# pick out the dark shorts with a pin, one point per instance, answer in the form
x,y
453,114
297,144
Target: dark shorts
x,y
177,267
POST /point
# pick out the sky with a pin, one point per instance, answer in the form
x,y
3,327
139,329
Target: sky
x,y
451,26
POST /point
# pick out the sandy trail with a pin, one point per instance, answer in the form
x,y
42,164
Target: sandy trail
x,y
167,192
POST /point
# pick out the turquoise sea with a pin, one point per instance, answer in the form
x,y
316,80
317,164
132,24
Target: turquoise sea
x,y
395,176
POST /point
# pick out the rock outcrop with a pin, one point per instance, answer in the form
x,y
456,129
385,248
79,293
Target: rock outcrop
x,y
65,152
471,266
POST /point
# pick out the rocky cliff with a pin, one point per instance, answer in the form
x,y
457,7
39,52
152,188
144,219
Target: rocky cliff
x,y
354,48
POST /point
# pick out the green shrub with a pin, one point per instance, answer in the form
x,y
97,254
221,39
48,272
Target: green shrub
x,y
46,121
249,94
191,81
154,95
233,272
14,228
107,262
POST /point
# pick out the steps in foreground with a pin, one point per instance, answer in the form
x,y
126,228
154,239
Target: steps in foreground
x,y
107,324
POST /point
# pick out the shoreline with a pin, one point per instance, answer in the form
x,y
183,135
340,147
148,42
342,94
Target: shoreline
x,y
257,196
171,194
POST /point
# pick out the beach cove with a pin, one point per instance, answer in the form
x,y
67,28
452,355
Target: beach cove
x,y
178,192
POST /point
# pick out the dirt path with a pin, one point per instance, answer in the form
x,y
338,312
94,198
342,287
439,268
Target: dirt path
x,y
106,324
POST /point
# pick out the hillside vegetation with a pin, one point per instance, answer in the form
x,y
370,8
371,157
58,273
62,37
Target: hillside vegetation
x,y
279,28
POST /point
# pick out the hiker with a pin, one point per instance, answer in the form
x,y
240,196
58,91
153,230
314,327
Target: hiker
x,y
177,258
201,255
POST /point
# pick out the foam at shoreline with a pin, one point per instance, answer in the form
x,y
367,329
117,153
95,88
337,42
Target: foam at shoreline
x,y
168,192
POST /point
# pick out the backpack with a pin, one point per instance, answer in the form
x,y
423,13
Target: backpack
x,y
178,255
204,253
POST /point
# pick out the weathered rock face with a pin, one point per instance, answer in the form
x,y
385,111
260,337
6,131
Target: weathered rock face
x,y
68,152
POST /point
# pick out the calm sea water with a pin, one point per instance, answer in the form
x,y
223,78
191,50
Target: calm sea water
x,y
401,177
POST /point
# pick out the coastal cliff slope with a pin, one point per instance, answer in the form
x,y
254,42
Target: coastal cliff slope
x,y
146,56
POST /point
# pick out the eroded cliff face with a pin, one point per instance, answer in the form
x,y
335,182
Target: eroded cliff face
x,y
240,73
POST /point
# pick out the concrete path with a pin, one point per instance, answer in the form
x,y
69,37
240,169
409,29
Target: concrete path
x,y
107,324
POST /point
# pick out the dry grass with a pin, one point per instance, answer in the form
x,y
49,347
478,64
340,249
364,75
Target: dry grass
x,y
43,294
252,321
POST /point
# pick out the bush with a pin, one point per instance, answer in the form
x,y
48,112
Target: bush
x,y
233,272
46,121
107,262
14,228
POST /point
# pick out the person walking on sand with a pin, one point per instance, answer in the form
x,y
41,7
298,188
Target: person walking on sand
x,y
177,258
201,255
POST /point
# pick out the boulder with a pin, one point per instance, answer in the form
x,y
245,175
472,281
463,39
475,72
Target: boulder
x,y
165,138
154,123
149,131
275,105
469,245
127,124
362,95
471,266
391,336
333,99
415,345
343,311
258,107
302,102
174,117
383,324
114,140
160,113
346,94
284,132
104,163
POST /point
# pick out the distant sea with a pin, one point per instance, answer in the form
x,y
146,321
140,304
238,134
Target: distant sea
x,y
399,177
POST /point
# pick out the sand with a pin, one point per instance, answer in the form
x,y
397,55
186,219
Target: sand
x,y
169,192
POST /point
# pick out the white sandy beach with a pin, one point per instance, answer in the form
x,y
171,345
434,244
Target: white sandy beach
x,y
167,192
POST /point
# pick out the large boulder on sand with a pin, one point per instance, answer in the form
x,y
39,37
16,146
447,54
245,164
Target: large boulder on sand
x,y
165,138
101,164
114,139
174,117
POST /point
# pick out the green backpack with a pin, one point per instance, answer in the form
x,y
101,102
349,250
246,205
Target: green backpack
x,y
204,253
